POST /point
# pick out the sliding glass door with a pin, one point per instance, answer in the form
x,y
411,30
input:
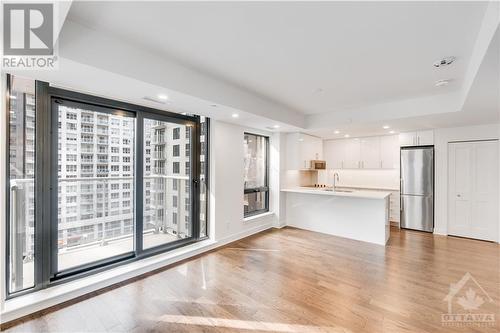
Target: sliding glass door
x,y
167,182
95,183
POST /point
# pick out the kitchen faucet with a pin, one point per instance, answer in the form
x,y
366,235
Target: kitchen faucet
x,y
335,180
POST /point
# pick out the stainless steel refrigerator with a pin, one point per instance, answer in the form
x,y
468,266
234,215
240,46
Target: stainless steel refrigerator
x,y
417,188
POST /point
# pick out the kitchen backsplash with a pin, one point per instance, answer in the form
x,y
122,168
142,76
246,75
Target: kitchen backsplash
x,y
362,178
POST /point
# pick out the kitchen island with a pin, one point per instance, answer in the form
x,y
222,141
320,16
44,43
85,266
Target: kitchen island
x,y
359,215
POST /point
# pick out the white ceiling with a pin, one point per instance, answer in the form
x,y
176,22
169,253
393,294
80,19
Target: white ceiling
x,y
314,57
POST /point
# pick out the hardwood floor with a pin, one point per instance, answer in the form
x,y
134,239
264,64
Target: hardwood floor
x,y
291,280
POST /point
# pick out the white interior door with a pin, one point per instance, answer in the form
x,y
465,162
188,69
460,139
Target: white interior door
x,y
473,190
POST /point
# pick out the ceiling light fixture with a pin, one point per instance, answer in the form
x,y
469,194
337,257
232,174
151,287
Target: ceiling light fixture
x,y
346,135
13,97
391,132
163,97
276,126
235,115
442,83
446,61
386,127
336,131
213,105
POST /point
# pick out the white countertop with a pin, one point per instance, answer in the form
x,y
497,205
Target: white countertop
x,y
374,188
354,194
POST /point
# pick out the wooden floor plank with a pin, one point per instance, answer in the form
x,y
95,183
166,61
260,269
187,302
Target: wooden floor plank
x,y
291,280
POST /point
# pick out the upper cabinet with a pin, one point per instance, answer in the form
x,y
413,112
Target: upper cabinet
x,y
418,138
301,149
389,152
369,151
364,153
335,153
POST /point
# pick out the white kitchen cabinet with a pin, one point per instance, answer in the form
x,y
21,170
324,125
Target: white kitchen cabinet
x,y
365,153
389,152
352,154
369,151
417,138
301,149
334,154
394,206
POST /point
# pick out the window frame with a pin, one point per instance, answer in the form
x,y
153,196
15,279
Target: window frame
x,y
260,189
46,188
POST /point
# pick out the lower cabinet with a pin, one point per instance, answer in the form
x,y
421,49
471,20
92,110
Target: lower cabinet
x,y
394,207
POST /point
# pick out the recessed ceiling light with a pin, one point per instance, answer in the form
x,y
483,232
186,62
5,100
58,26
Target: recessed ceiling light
x,y
13,97
446,61
163,97
235,115
386,127
184,113
392,132
442,83
213,105
276,126
346,135
336,131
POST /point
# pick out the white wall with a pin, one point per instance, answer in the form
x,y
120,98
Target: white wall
x,y
227,183
441,139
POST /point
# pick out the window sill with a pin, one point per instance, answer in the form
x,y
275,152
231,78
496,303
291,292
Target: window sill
x,y
23,305
258,216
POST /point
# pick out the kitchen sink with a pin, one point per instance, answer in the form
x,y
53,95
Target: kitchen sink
x,y
338,190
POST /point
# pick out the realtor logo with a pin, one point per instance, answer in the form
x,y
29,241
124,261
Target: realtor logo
x,y
28,29
470,296
28,36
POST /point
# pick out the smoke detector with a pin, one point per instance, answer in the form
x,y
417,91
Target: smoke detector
x,y
444,62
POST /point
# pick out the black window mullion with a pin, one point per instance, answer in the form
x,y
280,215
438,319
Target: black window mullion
x,y
139,184
195,179
44,174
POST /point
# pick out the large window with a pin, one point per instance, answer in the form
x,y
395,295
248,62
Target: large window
x,y
93,183
256,189
21,186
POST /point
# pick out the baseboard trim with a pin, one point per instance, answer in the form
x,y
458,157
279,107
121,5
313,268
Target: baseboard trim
x,y
51,299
